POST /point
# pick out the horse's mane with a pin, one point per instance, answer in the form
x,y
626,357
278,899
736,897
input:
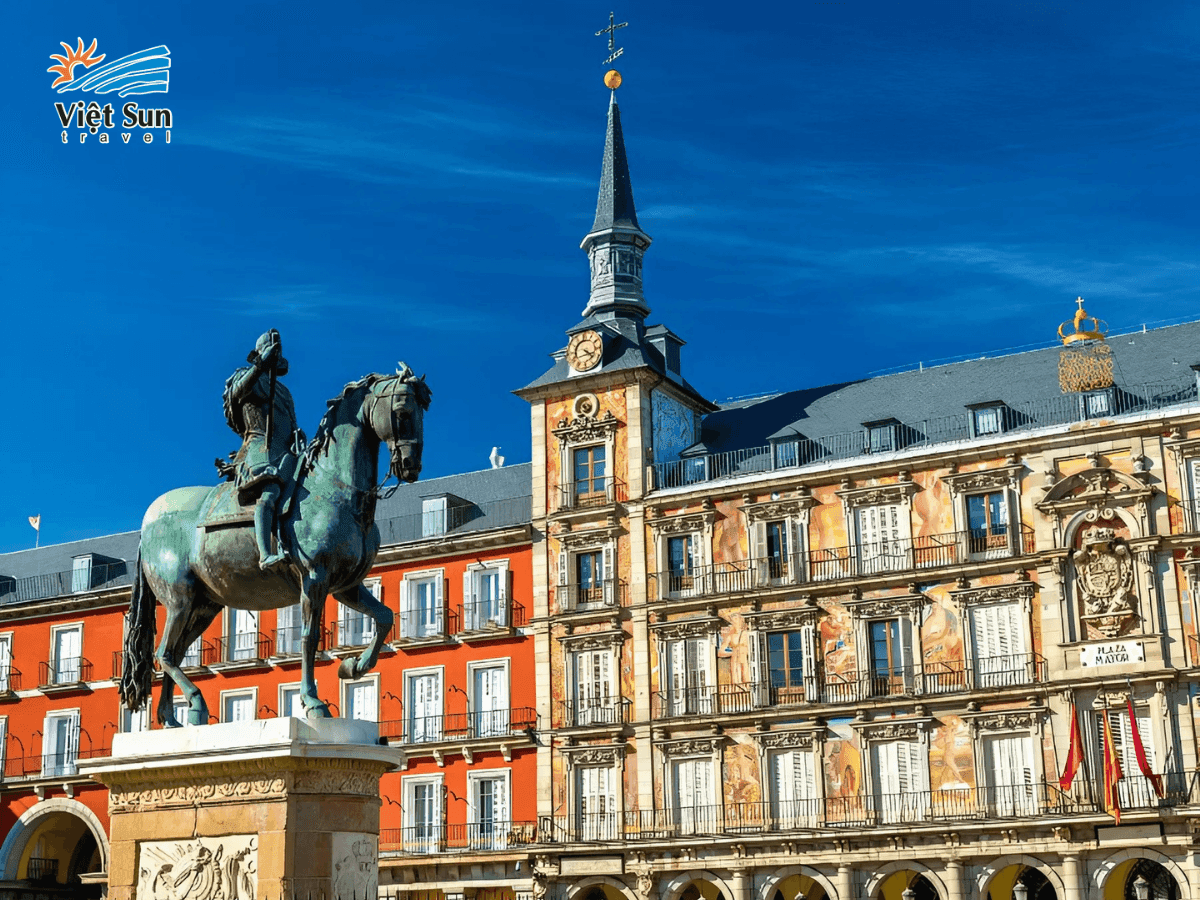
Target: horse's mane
x,y
324,434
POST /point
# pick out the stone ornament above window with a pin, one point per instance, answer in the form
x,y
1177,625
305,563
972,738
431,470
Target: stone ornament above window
x,y
693,746
775,510
587,428
592,755
785,619
594,640
881,607
1008,476
878,494
1004,719
1099,486
790,740
893,729
687,523
680,629
1021,592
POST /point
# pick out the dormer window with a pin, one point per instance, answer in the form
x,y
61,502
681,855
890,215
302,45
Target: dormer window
x,y
987,418
882,437
433,516
1097,403
81,573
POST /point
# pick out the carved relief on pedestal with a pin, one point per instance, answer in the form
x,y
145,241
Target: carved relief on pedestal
x,y
1104,579
355,865
223,868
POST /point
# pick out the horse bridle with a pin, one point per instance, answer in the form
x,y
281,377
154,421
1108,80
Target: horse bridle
x,y
390,391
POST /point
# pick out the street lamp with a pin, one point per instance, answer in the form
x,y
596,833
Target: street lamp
x,y
908,893
1141,888
1020,891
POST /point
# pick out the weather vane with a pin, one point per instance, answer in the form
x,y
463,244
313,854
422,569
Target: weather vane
x,y
613,50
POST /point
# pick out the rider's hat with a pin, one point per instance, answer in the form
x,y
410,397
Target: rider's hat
x,y
265,340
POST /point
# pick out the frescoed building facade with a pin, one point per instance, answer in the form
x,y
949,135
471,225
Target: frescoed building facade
x,y
447,691
829,643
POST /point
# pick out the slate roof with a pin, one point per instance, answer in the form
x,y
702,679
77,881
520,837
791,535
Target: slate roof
x,y
1162,356
614,206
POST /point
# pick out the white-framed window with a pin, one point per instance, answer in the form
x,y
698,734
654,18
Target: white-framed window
x,y
596,802
880,533
424,813
181,708
239,706
81,573
694,795
587,577
66,654
988,529
288,630
684,558
689,687
3,745
794,799
433,516
589,475
485,596
783,666
355,628
901,781
998,645
1097,403
882,437
241,634
60,743
595,693
488,700
987,420
422,605
5,662
1008,762
193,657
489,815
423,702
778,533
289,701
360,699
890,645
135,720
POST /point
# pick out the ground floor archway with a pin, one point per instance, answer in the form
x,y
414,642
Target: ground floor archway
x,y
56,845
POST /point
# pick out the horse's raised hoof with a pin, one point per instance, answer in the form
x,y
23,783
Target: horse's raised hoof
x,y
349,668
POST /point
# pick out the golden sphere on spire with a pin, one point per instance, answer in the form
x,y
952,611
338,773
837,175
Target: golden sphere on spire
x,y
612,79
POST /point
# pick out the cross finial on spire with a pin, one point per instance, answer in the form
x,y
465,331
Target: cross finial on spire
x,y
613,50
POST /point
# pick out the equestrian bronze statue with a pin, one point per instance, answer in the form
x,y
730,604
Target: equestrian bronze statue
x,y
204,548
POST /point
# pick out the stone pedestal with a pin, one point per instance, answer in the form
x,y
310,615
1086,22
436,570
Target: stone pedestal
x,y
245,810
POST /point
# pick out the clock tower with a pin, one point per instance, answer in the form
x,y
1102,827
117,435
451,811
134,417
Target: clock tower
x,y
613,403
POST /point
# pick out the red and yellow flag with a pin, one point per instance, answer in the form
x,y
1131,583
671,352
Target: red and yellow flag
x,y
1074,753
1139,750
1112,772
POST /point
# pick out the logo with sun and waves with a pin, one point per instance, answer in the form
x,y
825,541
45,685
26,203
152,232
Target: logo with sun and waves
x,y
144,72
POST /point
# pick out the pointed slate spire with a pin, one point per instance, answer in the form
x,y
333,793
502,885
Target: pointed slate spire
x,y
616,242
615,206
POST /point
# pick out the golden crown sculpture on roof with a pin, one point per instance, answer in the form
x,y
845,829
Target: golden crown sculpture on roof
x,y
1085,362
1095,332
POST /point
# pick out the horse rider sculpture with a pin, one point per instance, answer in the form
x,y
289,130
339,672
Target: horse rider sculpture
x,y
260,410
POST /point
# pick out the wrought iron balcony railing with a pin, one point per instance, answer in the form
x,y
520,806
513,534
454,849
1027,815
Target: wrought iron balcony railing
x,y
989,803
49,765
459,726
348,633
581,598
415,624
41,868
834,563
200,655
472,837
289,640
247,647
491,615
988,673
62,672
10,679
590,494
598,711
1061,410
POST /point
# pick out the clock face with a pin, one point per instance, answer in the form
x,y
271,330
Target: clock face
x,y
584,351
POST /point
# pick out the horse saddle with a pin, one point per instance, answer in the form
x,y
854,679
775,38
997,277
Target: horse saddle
x,y
223,509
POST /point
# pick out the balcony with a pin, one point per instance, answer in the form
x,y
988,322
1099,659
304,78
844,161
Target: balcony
x,y
67,673
472,837
10,683
40,868
349,635
837,563
198,658
48,765
933,678
287,642
458,727
426,626
595,493
927,433
490,618
982,804
246,650
594,712
598,596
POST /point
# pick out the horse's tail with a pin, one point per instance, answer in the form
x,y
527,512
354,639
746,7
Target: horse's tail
x,y
137,673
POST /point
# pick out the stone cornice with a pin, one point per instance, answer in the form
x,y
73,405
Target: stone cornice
x,y
1095,488
682,524
594,754
774,510
877,494
893,729
593,640
679,629
872,608
784,619
701,746
584,429
71,604
1021,591
444,545
1184,447
805,739
577,539
982,479
1004,719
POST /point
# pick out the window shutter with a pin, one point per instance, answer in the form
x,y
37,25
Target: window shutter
x,y
908,651
678,676
798,572
696,549
562,567
605,669
761,563
440,604
805,775
470,602
808,649
759,677
606,568
918,771
505,585
73,739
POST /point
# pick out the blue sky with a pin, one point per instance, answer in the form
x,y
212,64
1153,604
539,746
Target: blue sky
x,y
833,188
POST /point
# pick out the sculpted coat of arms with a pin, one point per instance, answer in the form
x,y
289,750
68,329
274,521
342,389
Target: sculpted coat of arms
x,y
1104,575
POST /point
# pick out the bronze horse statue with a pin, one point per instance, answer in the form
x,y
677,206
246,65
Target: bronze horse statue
x,y
198,553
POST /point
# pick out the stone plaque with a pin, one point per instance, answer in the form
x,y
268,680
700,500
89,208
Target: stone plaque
x,y
355,864
592,865
1111,653
215,868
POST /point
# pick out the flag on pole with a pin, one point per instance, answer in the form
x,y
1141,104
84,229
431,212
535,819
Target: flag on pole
x,y
36,522
1074,753
1139,750
1112,772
